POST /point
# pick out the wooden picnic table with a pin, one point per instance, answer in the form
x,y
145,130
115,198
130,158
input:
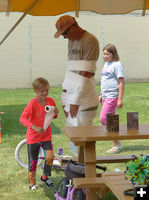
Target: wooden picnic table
x,y
86,137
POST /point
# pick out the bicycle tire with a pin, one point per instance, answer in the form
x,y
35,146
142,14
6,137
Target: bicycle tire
x,y
79,195
21,154
63,187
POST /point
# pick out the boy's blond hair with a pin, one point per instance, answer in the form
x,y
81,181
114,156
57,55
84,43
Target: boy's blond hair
x,y
40,83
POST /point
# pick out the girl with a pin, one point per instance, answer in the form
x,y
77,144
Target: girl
x,y
112,88
33,117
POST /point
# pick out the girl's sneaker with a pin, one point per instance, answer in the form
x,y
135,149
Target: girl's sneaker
x,y
33,187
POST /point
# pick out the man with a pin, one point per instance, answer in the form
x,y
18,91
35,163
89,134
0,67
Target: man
x,y
79,96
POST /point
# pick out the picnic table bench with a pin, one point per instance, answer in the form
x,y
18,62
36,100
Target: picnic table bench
x,y
117,183
105,159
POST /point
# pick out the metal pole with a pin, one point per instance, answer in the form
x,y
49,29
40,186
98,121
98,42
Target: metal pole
x,y
77,8
144,8
30,51
1,126
19,20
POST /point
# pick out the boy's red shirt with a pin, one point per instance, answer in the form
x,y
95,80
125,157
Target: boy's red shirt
x,y
34,114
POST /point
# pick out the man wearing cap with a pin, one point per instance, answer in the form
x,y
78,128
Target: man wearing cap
x,y
79,96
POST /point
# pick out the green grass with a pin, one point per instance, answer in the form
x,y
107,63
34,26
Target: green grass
x,y
14,179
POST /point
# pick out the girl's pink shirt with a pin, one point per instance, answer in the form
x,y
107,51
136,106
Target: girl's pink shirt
x,y
34,114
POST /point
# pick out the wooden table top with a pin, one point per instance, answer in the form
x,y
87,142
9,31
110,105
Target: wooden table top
x,y
117,183
99,133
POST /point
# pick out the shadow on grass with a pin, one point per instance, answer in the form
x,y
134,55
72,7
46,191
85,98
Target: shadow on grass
x,y
135,148
49,192
11,124
109,196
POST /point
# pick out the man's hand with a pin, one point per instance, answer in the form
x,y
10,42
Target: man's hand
x,y
66,113
73,110
39,130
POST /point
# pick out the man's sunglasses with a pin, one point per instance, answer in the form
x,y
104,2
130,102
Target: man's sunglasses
x,y
65,33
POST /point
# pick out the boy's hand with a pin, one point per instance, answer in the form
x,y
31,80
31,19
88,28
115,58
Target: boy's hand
x,y
39,130
56,111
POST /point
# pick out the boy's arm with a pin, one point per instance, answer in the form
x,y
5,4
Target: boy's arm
x,y
39,130
121,92
24,118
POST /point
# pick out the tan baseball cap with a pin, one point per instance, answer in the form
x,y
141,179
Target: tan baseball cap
x,y
62,24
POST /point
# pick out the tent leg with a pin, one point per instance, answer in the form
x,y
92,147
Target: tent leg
x,y
19,20
144,8
77,8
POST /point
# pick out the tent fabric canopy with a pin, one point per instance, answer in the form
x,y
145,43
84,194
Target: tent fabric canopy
x,y
53,7
5,5
56,7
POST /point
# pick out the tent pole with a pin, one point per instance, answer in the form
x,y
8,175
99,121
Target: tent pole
x,y
77,8
144,8
8,8
18,21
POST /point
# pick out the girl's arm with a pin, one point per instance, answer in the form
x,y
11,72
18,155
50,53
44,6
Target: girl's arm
x,y
121,92
100,99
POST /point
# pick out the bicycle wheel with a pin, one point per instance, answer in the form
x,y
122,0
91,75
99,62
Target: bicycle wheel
x,y
63,187
79,195
21,154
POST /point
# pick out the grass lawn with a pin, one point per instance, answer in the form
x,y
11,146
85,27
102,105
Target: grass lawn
x,y
14,179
